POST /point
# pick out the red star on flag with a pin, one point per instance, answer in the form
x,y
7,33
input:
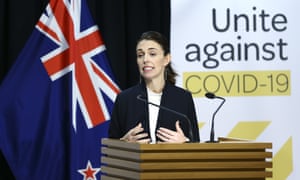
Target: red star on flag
x,y
89,173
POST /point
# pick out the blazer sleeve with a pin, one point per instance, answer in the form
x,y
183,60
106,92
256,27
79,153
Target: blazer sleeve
x,y
114,130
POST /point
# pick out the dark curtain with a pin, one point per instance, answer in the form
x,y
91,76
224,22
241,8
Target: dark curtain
x,y
120,22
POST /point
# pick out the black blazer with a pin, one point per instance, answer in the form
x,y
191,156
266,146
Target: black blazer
x,y
128,111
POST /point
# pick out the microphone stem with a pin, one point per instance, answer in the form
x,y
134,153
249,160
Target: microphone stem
x,y
212,132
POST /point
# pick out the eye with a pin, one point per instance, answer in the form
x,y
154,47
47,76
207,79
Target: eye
x,y
140,55
152,54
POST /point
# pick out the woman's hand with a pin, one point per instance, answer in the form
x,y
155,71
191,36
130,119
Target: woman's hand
x,y
169,136
135,135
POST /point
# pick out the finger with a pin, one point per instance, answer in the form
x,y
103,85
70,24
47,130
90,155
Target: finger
x,y
139,125
178,128
144,141
161,142
141,136
166,131
166,134
129,136
136,130
163,134
162,137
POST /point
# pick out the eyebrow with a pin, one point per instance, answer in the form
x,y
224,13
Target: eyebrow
x,y
147,49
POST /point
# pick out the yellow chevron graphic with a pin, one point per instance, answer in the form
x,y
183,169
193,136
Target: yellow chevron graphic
x,y
282,160
248,129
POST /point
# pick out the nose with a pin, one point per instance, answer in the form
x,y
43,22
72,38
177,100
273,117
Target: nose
x,y
145,58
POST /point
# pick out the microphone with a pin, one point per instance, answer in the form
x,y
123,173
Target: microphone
x,y
139,97
210,95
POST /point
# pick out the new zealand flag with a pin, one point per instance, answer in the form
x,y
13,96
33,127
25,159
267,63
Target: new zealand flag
x,y
55,102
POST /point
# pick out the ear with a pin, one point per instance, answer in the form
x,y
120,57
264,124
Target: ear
x,y
167,59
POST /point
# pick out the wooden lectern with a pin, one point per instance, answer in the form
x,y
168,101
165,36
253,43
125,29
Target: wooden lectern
x,y
224,160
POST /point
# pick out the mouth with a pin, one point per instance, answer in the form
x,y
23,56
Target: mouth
x,y
148,68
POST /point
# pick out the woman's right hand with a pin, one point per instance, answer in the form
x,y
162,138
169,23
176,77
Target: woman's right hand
x,y
135,135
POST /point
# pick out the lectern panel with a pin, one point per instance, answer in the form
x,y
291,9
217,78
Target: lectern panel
x,y
225,160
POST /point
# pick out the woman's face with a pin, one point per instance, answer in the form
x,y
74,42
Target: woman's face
x,y
151,60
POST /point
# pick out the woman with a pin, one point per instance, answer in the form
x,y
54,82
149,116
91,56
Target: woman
x,y
135,120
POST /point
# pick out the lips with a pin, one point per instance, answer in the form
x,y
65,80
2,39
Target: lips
x,y
147,68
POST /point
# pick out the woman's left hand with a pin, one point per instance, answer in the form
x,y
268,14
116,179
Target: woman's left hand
x,y
169,136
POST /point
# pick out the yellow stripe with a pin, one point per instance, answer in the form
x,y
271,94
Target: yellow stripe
x,y
248,129
283,161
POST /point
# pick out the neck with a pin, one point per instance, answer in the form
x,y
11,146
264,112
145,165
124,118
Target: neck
x,y
156,86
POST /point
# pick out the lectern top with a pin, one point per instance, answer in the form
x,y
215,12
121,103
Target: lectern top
x,y
230,145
